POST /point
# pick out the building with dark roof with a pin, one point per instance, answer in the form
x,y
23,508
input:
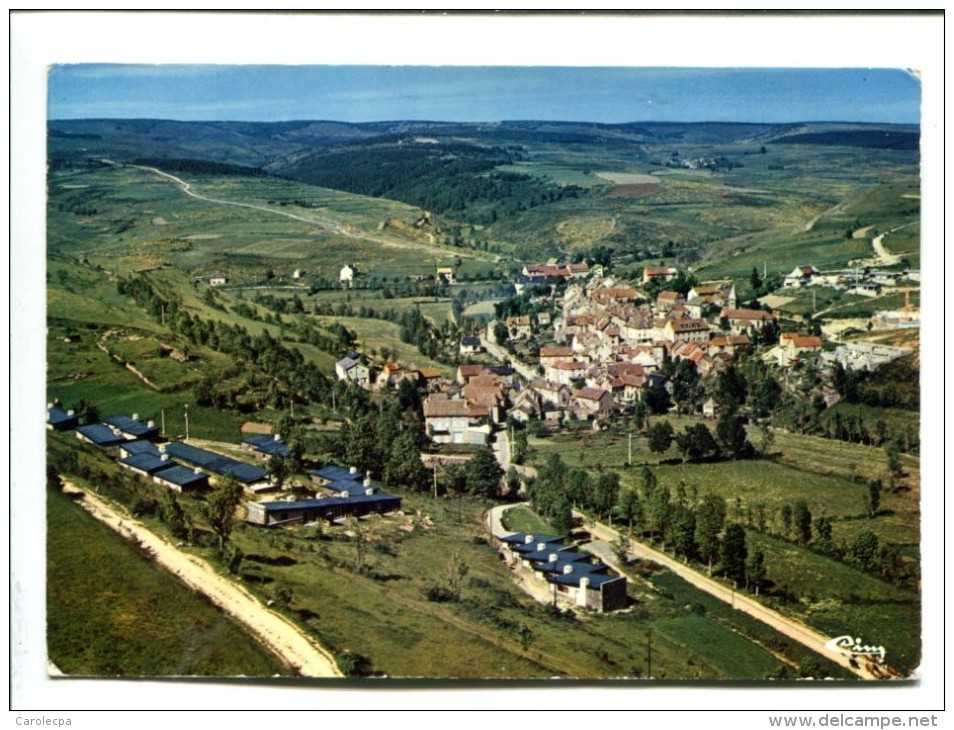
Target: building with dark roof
x,y
574,577
266,447
275,514
100,435
180,479
248,475
146,464
132,428
59,420
132,448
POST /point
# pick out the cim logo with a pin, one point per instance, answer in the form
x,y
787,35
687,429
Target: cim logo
x,y
850,646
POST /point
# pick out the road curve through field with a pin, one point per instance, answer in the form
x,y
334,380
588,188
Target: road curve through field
x,y
300,652
789,627
312,220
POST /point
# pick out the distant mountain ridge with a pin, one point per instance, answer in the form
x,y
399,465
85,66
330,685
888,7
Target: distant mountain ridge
x,y
261,144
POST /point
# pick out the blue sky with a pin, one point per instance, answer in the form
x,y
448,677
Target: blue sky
x,y
481,93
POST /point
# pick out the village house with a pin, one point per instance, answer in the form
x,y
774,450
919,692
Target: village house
x,y
519,327
745,321
466,372
455,421
346,275
218,279
565,371
666,300
487,392
445,274
728,344
717,295
589,403
390,376
552,392
351,370
659,273
551,355
470,345
430,379
710,408
794,346
800,276
687,330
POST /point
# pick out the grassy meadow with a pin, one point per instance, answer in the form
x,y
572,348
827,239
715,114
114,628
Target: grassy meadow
x,y
112,612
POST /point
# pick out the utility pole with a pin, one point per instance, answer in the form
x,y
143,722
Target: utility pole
x,y
435,478
162,414
187,421
629,460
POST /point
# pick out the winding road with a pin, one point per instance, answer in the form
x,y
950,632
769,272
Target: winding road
x,y
299,651
328,223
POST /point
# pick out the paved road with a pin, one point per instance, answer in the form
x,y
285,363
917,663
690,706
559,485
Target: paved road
x,y
741,602
299,651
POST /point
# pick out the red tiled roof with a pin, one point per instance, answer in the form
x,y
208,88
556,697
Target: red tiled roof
x,y
747,314
589,393
556,352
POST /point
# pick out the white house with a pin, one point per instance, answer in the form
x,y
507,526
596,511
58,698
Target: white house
x,y
347,274
353,371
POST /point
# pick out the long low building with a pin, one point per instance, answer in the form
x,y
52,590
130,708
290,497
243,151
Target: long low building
x,y
249,476
574,577
274,514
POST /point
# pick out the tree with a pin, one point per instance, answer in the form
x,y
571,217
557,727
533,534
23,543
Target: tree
x,y
171,512
864,550
220,508
802,521
630,508
682,530
278,469
660,512
457,570
656,398
734,553
685,385
766,439
892,453
501,333
731,433
358,540
606,493
731,388
873,498
787,519
660,436
483,473
755,570
520,447
404,465
710,518
696,442
755,281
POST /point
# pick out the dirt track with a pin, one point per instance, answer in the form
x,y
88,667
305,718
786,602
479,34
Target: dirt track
x,y
300,652
741,602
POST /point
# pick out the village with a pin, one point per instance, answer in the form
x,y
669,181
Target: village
x,y
611,345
